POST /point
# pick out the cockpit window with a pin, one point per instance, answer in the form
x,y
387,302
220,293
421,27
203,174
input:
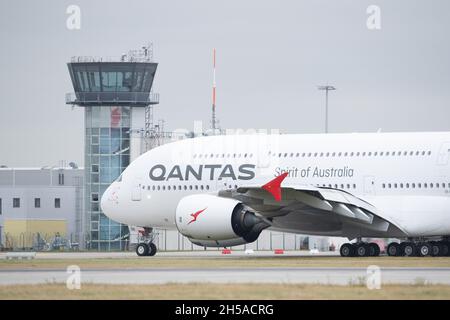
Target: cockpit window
x,y
119,179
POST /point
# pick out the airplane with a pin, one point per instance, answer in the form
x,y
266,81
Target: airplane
x,y
224,190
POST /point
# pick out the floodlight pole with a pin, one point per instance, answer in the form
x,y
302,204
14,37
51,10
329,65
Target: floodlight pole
x,y
326,88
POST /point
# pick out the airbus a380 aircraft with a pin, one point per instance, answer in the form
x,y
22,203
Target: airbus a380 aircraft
x,y
222,191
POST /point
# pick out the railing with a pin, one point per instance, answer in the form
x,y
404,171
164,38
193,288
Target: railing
x,y
113,97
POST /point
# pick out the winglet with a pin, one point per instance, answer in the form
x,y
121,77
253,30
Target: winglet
x,y
274,186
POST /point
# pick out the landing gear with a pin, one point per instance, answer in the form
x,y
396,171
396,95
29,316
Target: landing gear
x,y
408,249
374,249
347,250
360,249
415,248
146,246
143,249
393,249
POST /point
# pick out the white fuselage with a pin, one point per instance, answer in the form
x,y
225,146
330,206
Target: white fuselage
x,y
406,176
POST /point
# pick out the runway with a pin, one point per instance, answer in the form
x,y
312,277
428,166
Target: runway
x,y
300,275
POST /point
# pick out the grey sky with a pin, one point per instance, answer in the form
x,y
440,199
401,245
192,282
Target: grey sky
x,y
270,57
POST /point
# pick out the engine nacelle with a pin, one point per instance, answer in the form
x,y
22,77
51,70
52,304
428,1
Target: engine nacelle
x,y
212,221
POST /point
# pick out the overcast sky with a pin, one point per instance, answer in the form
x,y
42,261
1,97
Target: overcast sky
x,y
271,55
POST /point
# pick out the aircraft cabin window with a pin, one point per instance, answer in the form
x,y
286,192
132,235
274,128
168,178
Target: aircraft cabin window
x,y
159,188
413,185
357,154
143,187
297,154
351,154
168,187
381,153
419,185
387,153
348,186
405,153
389,185
354,186
431,185
423,153
207,187
185,187
384,185
425,185
401,185
369,154
407,186
148,188
245,155
315,154
395,185
375,154
429,153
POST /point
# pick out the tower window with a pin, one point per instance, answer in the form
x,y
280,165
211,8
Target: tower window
x,y
16,202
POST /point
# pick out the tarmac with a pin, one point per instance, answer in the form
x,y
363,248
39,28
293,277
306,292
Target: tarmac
x,y
285,275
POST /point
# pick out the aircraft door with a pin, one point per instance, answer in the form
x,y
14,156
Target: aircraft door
x,y
136,190
369,185
444,153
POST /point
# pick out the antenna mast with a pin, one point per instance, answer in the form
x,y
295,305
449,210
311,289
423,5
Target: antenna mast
x,y
213,119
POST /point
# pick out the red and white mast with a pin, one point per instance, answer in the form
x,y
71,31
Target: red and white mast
x,y
213,120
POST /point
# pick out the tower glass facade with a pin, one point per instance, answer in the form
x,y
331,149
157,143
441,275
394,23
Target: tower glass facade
x,y
107,154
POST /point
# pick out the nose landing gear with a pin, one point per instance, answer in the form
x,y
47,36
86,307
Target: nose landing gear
x,y
144,249
146,246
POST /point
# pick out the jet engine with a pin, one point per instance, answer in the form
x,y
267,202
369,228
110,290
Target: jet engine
x,y
212,221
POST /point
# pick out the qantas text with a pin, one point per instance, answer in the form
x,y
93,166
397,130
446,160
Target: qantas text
x,y
159,172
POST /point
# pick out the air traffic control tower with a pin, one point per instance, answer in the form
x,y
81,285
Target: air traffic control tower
x,y
117,98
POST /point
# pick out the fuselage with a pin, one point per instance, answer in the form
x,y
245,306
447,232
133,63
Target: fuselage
x,y
406,176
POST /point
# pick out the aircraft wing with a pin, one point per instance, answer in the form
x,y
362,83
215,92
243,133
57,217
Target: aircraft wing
x,y
273,200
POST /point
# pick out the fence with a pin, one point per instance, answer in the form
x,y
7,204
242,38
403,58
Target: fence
x,y
37,242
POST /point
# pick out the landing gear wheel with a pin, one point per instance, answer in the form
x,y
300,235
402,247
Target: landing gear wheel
x,y
362,250
374,249
152,250
408,249
445,246
436,248
347,250
424,249
393,249
142,249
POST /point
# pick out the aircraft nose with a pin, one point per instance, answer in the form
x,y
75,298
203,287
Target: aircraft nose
x,y
109,202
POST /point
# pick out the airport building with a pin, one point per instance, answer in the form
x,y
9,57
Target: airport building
x,y
41,208
117,98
